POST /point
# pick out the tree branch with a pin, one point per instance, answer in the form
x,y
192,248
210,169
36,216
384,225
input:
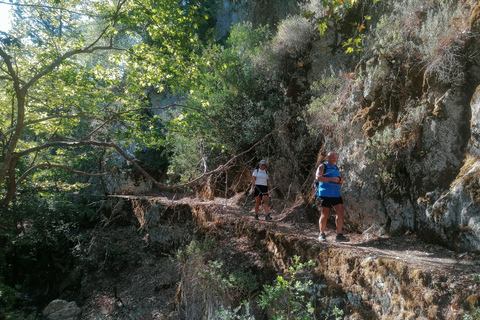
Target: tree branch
x,y
88,49
26,123
7,59
50,165
45,7
137,166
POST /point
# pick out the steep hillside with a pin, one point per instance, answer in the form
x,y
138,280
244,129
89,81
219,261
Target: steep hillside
x,y
373,277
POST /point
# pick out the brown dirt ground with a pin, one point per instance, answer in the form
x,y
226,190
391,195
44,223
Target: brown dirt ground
x,y
147,289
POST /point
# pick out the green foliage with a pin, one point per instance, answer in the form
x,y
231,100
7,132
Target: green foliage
x,y
211,275
326,95
42,245
289,298
474,315
75,78
9,304
242,312
337,313
195,250
432,34
209,284
231,105
7,297
346,17
476,278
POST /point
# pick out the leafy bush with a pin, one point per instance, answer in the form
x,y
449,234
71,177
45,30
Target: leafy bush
x,y
474,315
289,298
476,279
344,21
432,34
293,38
9,304
326,95
230,108
208,284
39,250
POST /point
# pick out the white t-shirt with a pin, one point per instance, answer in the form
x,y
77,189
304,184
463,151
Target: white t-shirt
x,y
261,177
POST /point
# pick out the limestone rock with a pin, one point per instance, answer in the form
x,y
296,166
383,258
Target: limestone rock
x,y
62,310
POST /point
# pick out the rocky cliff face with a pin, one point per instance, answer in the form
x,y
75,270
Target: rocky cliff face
x,y
411,165
261,12
408,140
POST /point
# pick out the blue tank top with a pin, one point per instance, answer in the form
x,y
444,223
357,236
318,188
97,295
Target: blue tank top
x,y
329,189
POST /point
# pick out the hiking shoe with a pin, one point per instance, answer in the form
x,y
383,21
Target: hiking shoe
x,y
268,218
256,218
341,238
322,237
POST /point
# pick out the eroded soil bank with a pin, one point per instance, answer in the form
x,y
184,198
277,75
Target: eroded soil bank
x,y
371,277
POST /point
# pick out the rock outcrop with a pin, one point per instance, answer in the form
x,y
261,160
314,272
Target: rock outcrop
x,y
372,277
62,310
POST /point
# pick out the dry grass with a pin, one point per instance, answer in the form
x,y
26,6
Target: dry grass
x,y
470,176
433,34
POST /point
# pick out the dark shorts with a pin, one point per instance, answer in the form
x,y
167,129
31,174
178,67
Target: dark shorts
x,y
260,191
329,202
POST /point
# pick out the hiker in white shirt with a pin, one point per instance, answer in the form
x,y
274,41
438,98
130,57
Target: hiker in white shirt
x,y
261,189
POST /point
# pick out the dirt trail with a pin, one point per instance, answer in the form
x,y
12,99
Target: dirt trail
x,y
408,247
405,264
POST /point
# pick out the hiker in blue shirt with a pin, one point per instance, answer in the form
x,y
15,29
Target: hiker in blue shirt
x,y
328,193
261,189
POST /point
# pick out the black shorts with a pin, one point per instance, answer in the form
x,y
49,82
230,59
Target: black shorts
x,y
260,191
329,202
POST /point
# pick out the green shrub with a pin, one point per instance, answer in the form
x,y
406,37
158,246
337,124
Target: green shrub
x,y
326,95
474,315
211,275
289,298
433,34
230,108
293,38
11,306
476,278
209,284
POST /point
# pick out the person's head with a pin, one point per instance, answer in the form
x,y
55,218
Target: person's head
x,y
332,157
263,164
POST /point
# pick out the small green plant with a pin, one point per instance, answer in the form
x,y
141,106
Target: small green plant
x,y
476,278
343,16
337,313
289,298
9,304
210,283
474,315
242,312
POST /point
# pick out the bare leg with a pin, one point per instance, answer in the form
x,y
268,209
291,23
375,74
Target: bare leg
x,y
322,223
339,219
257,204
265,205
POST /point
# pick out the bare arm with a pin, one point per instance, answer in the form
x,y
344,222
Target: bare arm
x,y
254,179
320,178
